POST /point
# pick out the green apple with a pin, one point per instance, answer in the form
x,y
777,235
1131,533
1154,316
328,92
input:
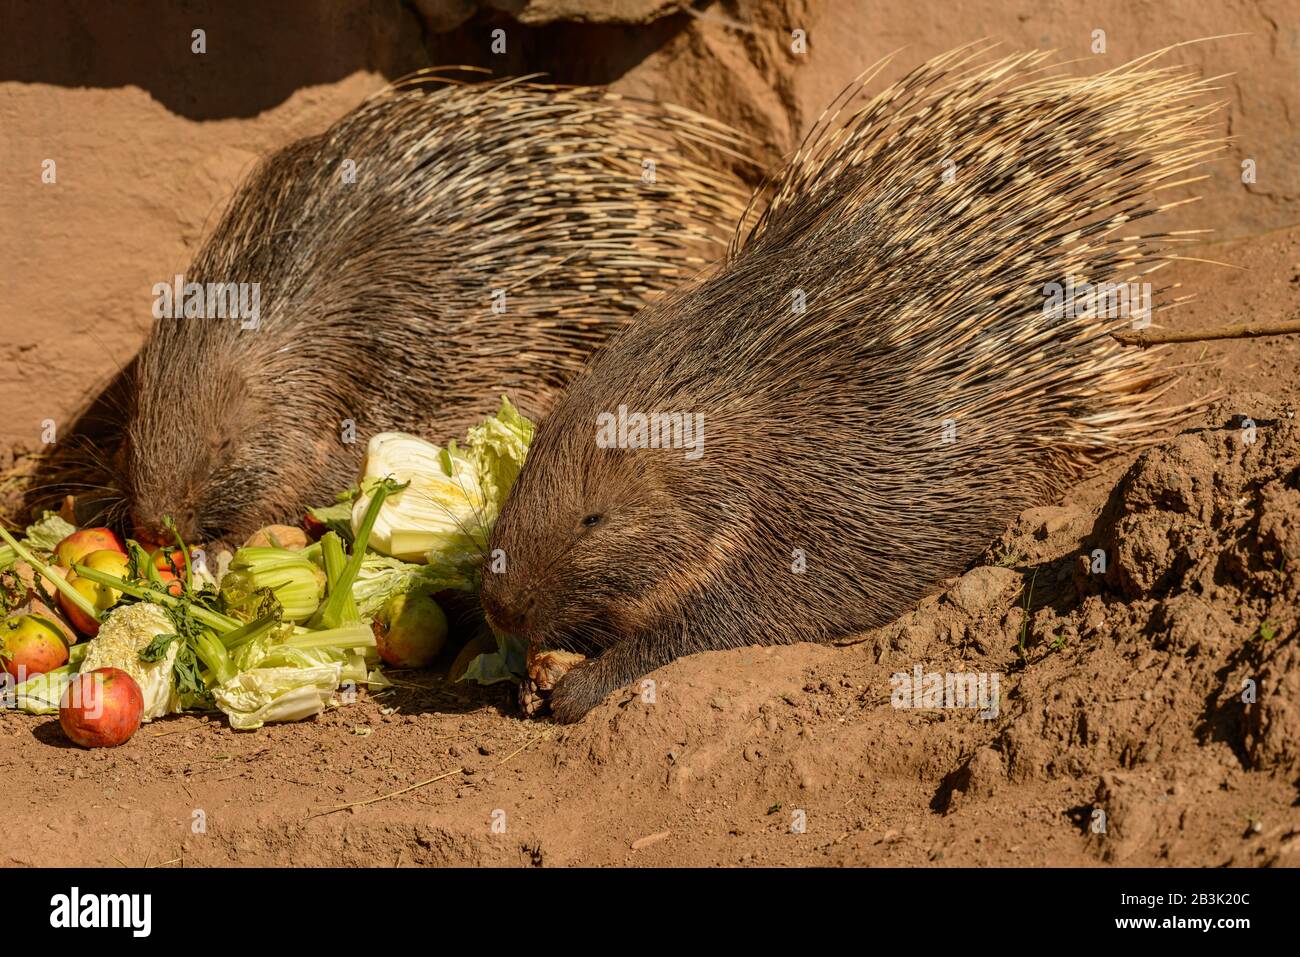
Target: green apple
x,y
410,631
102,597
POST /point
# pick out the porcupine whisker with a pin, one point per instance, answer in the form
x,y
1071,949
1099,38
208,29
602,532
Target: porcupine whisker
x,y
455,518
71,484
80,454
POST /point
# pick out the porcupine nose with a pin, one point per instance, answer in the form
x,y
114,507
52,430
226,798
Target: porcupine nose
x,y
514,617
151,530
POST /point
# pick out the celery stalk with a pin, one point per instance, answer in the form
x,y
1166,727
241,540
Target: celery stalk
x,y
218,622
331,612
332,555
214,657
234,640
144,566
180,542
343,638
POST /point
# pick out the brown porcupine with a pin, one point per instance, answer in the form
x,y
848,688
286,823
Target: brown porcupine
x,y
858,450
377,295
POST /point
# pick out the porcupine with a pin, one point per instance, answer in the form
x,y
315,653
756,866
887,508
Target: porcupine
x,y
860,449
568,207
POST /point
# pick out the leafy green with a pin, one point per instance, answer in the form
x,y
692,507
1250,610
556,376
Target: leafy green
x,y
185,666
497,449
382,577
338,517
507,663
45,534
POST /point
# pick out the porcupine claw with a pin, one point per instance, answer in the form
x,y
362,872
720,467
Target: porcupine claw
x,y
545,669
532,701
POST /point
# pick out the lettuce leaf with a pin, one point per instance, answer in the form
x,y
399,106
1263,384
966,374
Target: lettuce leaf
x,y
497,449
381,577
337,517
124,633
290,677
444,516
41,536
507,663
252,698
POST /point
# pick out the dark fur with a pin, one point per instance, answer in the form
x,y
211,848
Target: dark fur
x,y
823,430
376,296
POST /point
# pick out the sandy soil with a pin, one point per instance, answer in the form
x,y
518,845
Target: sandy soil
x,y
1120,692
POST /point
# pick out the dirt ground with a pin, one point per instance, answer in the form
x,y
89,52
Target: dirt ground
x,y
1121,692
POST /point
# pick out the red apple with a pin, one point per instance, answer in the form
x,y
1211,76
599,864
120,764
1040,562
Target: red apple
x,y
101,708
101,596
410,631
31,645
74,549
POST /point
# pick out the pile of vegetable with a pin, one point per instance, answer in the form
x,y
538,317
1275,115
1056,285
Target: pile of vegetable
x,y
290,623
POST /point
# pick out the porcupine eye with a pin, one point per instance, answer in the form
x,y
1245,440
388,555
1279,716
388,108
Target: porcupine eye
x,y
592,520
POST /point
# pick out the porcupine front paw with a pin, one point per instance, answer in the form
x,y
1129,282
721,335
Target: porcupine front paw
x,y
532,700
580,690
587,683
544,669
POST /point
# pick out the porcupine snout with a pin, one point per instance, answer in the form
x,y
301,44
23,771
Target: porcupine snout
x,y
507,612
